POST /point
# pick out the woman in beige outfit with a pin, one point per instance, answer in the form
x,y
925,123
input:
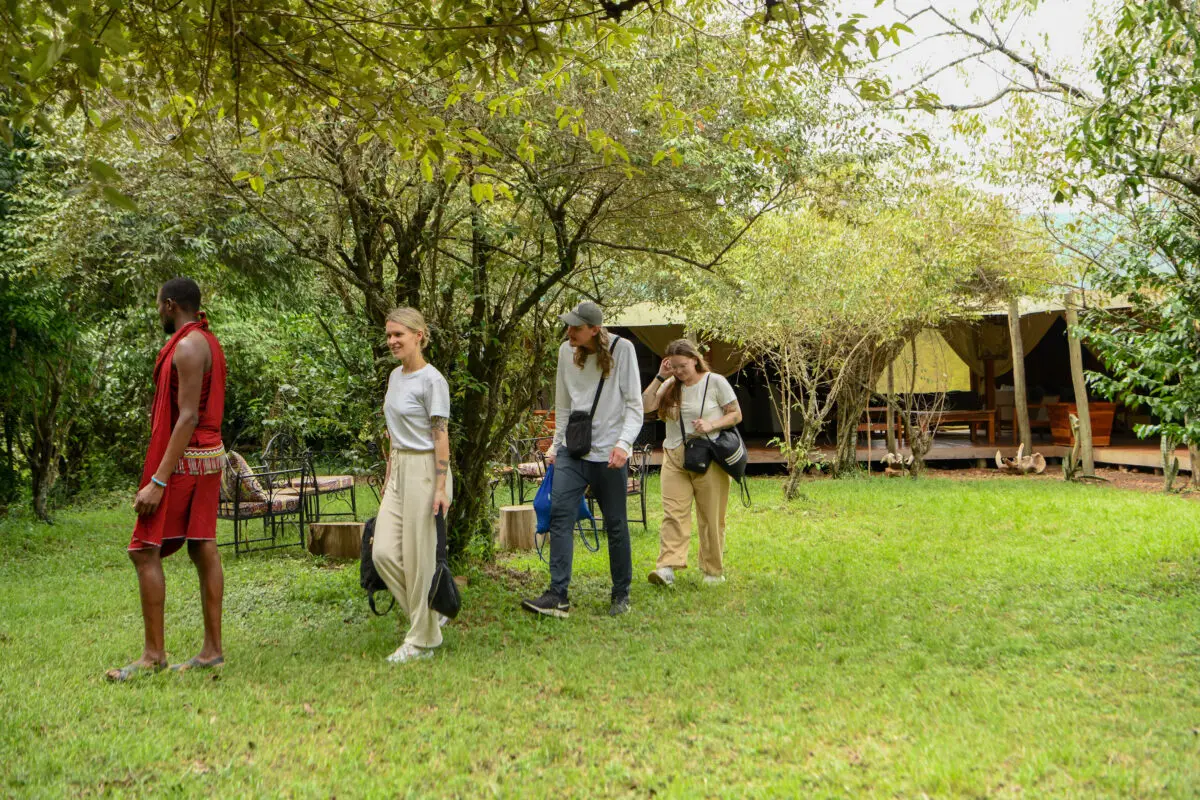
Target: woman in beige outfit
x,y
693,401
418,485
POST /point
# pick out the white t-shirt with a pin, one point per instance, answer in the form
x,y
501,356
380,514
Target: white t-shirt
x,y
720,393
411,400
619,413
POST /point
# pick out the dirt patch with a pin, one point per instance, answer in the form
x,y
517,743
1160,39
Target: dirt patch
x,y
511,577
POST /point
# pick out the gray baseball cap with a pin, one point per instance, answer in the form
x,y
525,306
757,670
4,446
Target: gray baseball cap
x,y
586,313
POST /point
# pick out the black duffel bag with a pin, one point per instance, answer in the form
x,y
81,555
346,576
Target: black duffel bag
x,y
368,576
729,452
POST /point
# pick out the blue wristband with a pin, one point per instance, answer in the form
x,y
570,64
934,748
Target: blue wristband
x,y
157,482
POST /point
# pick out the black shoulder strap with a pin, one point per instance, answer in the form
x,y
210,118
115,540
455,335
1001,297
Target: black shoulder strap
x,y
703,400
376,611
440,519
744,491
600,386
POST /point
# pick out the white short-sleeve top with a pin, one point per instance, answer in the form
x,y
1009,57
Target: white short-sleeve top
x,y
720,394
412,400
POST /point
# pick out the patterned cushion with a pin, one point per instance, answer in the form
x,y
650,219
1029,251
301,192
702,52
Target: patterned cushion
x,y
281,504
236,468
532,470
325,483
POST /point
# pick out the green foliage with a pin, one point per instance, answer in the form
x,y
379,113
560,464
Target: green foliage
x,y
77,282
275,66
1141,132
1150,349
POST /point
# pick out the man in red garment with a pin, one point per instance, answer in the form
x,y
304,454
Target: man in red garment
x,y
181,479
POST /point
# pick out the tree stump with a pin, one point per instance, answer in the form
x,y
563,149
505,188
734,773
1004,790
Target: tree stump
x,y
517,527
335,539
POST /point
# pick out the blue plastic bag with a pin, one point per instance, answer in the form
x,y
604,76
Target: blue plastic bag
x,y
541,502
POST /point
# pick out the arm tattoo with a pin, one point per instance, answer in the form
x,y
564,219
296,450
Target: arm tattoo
x,y
730,408
438,423
443,466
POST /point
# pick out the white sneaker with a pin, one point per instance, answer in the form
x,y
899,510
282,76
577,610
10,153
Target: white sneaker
x,y
409,652
663,576
713,580
442,619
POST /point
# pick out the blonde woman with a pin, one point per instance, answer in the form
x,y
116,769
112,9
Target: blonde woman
x,y
418,485
693,401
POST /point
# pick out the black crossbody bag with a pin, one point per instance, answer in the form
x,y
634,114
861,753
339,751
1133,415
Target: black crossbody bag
x,y
443,591
578,437
697,454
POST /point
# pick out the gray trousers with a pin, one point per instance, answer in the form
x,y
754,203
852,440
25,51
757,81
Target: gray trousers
x,y
571,477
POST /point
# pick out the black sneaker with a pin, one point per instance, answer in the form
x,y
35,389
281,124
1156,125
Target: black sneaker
x,y
620,605
549,604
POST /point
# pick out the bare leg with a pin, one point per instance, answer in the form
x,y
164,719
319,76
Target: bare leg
x,y
212,589
152,588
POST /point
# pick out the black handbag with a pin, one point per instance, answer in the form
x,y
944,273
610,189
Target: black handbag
x,y
368,576
443,591
697,454
729,451
578,437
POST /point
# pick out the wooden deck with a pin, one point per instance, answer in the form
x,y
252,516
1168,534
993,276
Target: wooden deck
x,y
959,447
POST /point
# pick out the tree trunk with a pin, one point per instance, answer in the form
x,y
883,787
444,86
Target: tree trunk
x,y
10,435
1170,463
43,468
1077,380
852,401
8,472
890,418
1194,466
799,458
1020,399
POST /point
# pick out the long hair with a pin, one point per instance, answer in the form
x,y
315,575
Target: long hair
x,y
603,355
669,407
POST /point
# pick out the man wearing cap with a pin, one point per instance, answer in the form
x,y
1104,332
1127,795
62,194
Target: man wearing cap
x,y
597,378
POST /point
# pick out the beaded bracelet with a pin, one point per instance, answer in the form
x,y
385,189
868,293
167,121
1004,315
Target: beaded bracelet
x,y
157,482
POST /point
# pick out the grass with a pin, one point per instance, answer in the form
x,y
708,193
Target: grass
x,y
883,638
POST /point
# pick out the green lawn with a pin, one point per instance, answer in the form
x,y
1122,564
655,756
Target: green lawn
x,y
884,638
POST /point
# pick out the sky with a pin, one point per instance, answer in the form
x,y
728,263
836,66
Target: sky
x,y
1057,33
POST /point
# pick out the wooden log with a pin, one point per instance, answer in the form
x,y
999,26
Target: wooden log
x,y
517,527
335,539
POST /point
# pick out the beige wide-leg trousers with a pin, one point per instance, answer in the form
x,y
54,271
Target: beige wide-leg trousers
x,y
405,549
710,493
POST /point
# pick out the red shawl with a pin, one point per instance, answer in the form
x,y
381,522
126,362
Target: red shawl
x,y
164,412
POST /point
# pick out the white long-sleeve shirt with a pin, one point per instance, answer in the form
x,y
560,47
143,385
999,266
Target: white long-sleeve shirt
x,y
618,417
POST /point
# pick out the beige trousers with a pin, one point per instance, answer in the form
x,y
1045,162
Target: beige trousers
x,y
405,549
710,492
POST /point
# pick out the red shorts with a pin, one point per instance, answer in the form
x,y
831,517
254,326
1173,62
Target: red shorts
x,y
191,513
